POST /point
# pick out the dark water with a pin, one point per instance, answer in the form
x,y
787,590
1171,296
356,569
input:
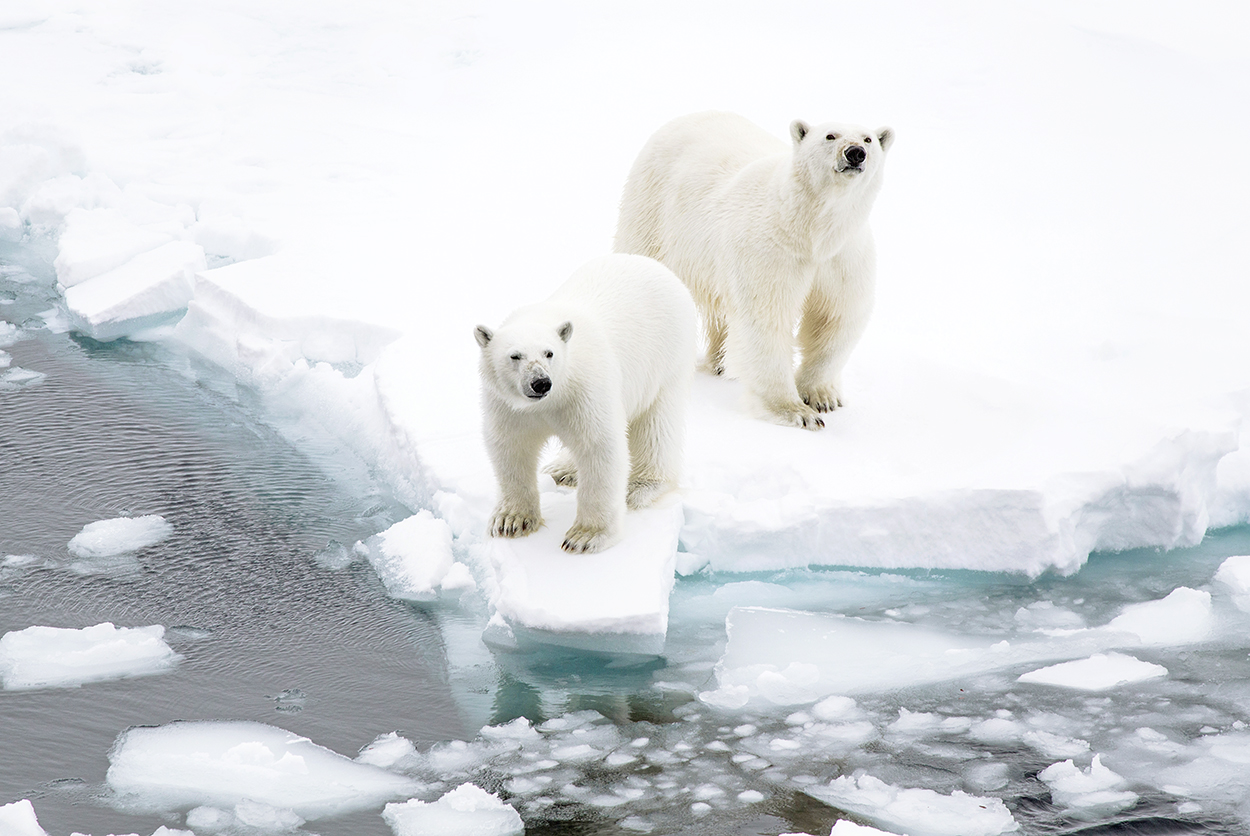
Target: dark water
x,y
268,634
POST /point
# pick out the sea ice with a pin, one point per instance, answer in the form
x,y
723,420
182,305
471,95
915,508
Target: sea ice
x,y
1234,573
18,819
122,535
465,811
413,557
147,290
1089,793
55,657
616,600
243,771
916,812
1099,672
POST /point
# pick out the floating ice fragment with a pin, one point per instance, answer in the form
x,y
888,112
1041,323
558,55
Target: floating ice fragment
x,y
1234,573
56,657
917,812
413,556
18,819
465,811
1183,617
217,764
107,538
388,751
1055,746
1099,672
1092,793
16,377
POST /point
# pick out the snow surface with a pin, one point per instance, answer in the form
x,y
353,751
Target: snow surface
x,y
56,657
917,812
109,538
1097,673
467,810
1055,363
242,773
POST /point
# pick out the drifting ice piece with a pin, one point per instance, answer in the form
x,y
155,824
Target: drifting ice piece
x,y
1099,672
18,819
917,812
146,291
615,601
465,811
55,657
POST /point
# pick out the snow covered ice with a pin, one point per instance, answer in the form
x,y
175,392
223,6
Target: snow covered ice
x,y
55,657
321,204
465,811
225,773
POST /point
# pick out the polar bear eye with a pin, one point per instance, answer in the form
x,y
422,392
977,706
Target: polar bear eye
x,y
832,136
550,355
868,140
516,355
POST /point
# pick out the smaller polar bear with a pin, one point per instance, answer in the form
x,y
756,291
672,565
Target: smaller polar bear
x,y
604,365
765,236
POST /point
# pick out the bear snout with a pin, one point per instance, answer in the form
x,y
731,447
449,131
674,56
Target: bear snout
x,y
855,155
538,388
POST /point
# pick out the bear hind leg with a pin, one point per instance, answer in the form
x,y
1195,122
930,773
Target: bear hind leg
x,y
655,444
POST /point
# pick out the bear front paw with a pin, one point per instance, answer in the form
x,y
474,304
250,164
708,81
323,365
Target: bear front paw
x,y
508,523
824,398
584,539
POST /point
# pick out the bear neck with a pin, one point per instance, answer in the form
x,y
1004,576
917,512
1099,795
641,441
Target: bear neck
x,y
819,217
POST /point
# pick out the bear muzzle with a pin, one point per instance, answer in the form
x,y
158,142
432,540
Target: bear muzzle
x,y
536,388
851,160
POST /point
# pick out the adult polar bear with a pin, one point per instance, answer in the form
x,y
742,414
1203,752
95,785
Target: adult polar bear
x,y
604,364
765,236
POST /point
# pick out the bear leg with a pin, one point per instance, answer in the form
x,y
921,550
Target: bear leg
x,y
603,468
834,318
655,446
515,459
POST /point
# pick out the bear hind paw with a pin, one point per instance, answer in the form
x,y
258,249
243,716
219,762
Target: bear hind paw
x,y
821,398
585,539
798,415
642,492
563,471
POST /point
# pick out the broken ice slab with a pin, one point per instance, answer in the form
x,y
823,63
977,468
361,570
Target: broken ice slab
x,y
615,601
151,289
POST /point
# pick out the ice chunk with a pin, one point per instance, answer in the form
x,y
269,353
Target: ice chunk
x,y
1091,793
10,224
55,657
1099,672
16,377
412,557
18,819
95,241
387,751
616,600
148,290
222,765
465,811
1234,573
917,812
122,535
1183,617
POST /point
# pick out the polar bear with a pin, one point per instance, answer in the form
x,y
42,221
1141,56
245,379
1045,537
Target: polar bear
x,y
604,365
765,237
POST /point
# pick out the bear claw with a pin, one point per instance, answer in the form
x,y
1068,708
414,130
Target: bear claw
x,y
582,539
514,525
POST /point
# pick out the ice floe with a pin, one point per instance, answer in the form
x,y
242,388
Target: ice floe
x,y
122,535
227,772
465,811
1097,673
414,558
57,657
1088,793
18,819
916,812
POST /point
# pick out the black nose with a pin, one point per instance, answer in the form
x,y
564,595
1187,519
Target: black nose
x,y
855,155
542,385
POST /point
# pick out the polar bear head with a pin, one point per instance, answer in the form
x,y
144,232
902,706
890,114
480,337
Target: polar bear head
x,y
524,361
835,152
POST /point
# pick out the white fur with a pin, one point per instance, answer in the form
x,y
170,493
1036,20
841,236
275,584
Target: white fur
x,y
765,236
617,343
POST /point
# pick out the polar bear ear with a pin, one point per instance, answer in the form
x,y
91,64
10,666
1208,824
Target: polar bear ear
x,y
566,331
798,130
483,335
886,137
